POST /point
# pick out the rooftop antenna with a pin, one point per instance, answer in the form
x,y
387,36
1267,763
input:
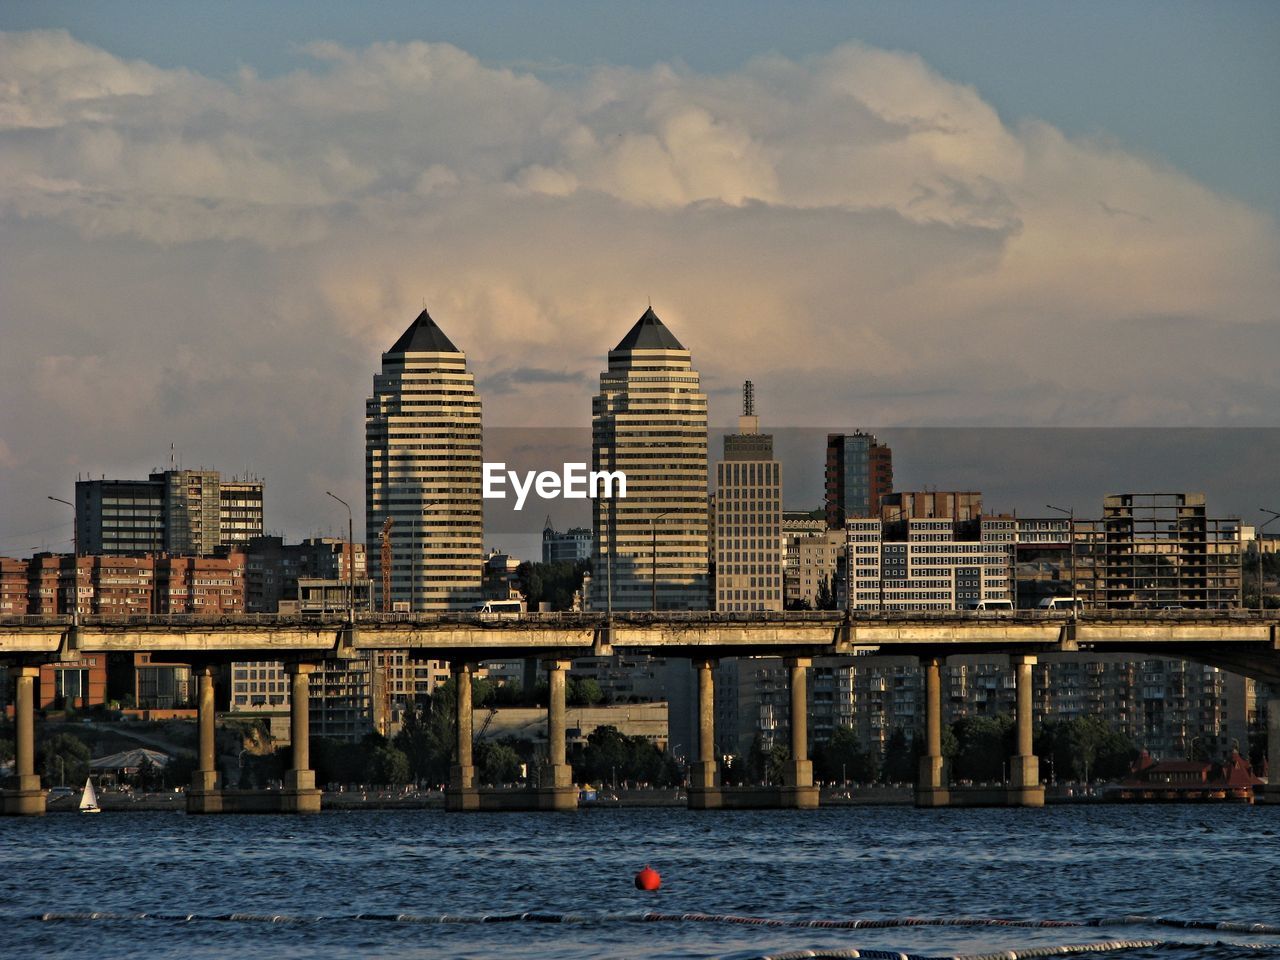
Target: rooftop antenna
x,y
748,399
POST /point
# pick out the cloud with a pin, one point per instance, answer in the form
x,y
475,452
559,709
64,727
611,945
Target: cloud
x,y
219,262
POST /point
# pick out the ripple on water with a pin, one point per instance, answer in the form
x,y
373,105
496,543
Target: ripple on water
x,y
1067,863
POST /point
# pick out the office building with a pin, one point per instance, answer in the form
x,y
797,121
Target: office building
x,y
959,505
748,518
859,472
568,547
190,512
796,526
937,565
423,462
649,421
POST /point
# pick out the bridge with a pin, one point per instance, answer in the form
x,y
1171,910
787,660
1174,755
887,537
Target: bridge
x,y
1244,642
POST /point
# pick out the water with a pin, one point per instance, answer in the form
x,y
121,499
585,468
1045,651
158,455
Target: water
x,y
1219,863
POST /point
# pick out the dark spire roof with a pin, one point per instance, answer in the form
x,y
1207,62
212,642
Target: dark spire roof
x,y
649,333
423,336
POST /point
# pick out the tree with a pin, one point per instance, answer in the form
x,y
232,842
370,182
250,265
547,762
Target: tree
x,y
63,758
984,746
610,754
824,600
497,762
843,757
427,736
1084,747
899,764
388,765
582,692
552,583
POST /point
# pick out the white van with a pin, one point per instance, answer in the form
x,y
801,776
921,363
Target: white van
x,y
500,609
996,606
1060,603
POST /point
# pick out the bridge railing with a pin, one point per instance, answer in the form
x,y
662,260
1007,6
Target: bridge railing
x,y
584,619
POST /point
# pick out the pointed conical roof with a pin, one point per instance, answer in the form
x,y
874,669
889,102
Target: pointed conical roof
x,y
423,336
649,333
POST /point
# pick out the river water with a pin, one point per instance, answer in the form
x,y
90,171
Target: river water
x,y
375,883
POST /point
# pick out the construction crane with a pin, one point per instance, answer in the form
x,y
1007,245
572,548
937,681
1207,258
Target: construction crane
x,y
385,537
381,672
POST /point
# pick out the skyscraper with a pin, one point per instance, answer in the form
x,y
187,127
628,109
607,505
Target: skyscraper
x,y
748,517
423,463
859,473
649,420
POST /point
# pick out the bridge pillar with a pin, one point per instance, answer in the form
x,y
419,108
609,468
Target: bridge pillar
x,y
300,794
1272,792
798,790
931,786
205,794
1024,788
556,790
462,793
704,781
24,796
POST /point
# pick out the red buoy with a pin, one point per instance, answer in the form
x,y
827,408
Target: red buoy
x,y
648,879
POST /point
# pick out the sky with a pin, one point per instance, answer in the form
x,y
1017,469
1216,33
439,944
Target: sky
x,y
214,217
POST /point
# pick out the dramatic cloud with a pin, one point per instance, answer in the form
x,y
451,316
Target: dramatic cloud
x,y
217,263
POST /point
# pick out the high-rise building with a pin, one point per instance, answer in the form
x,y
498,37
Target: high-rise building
x,y
1162,549
859,473
568,547
650,422
748,517
932,568
423,463
189,512
796,526
959,505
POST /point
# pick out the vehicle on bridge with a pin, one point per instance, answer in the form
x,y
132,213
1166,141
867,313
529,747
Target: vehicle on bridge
x,y
500,609
1060,603
998,607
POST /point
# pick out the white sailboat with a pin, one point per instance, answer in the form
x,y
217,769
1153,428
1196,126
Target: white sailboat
x,y
89,799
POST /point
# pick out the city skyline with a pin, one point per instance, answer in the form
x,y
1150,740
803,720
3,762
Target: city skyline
x,y
879,231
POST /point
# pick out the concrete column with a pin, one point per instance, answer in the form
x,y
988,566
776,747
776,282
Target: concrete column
x,y
931,786
25,721
462,793
1272,793
1025,789
555,714
798,789
300,794
557,791
704,785
24,796
205,794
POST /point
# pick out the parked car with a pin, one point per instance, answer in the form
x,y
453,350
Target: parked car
x,y
59,793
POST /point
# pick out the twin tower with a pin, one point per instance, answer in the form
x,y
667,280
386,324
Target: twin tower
x,y
424,456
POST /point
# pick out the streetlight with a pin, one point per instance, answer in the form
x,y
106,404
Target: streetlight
x,y
351,560
1071,547
75,560
653,557
1257,545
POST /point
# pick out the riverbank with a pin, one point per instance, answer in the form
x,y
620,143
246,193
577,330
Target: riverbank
x,y
414,799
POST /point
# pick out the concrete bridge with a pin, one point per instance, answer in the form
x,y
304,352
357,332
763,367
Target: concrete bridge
x,y
1241,641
